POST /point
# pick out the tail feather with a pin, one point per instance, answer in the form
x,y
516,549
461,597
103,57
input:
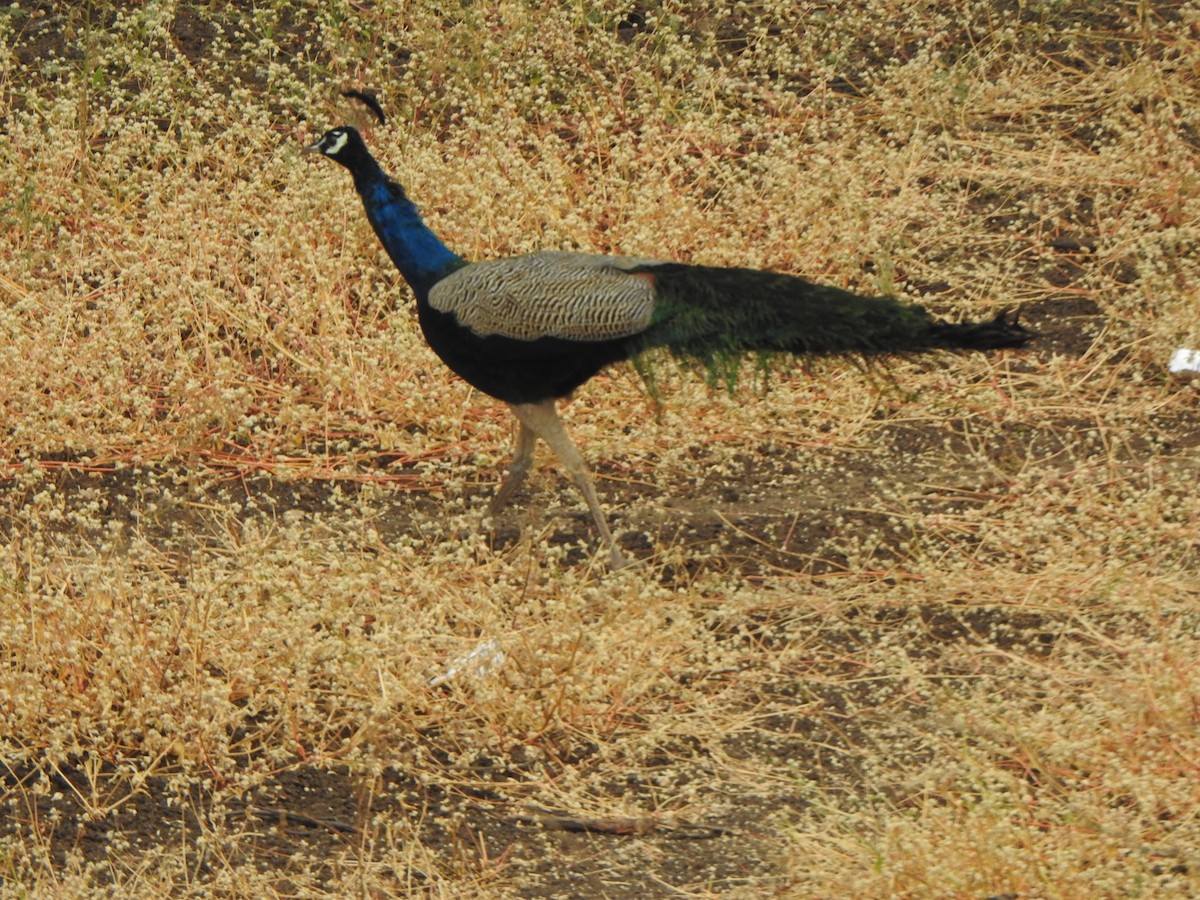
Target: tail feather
x,y
713,314
1002,331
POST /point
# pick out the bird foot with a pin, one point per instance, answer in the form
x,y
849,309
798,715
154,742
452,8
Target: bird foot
x,y
616,560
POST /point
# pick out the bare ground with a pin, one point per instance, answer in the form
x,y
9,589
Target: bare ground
x,y
768,517
825,725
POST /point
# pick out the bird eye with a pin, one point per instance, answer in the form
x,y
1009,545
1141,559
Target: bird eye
x,y
336,140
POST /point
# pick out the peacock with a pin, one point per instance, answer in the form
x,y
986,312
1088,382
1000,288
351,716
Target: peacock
x,y
529,330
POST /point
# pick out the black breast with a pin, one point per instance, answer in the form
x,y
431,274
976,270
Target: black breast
x,y
517,371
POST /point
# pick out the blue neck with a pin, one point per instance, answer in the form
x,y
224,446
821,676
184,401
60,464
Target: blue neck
x,y
418,253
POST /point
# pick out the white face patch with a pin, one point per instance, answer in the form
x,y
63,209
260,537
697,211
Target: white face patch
x,y
336,147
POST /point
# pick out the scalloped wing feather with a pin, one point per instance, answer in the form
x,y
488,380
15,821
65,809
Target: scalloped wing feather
x,y
571,296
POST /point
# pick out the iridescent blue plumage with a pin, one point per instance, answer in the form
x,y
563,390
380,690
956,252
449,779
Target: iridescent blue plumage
x,y
418,253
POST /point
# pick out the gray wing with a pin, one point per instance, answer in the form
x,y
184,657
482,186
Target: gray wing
x,y
573,296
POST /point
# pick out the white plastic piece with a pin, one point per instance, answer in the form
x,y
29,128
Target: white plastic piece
x,y
486,658
1185,363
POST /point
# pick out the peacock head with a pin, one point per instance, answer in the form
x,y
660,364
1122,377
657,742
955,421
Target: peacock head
x,y
344,144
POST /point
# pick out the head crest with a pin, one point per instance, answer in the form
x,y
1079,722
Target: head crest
x,y
371,101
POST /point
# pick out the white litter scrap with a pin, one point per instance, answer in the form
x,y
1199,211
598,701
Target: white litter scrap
x,y
1185,363
480,662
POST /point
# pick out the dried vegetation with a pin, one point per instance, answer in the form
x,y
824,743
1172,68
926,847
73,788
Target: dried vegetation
x,y
929,629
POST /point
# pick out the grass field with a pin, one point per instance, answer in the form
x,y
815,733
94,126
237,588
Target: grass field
x,y
923,628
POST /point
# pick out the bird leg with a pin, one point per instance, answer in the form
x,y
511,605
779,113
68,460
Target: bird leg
x,y
522,457
540,420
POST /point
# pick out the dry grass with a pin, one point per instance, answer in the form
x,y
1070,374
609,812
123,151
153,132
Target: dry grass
x,y
928,631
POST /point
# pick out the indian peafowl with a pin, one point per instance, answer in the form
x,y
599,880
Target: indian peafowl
x,y
531,329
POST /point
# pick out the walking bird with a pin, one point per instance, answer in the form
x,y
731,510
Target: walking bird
x,y
529,330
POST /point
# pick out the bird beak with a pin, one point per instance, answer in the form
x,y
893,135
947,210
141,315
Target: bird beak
x,y
312,148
